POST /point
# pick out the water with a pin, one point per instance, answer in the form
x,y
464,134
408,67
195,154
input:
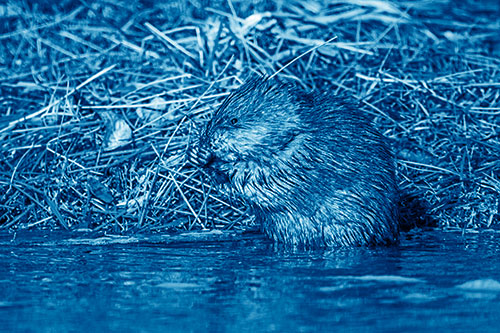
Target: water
x,y
224,282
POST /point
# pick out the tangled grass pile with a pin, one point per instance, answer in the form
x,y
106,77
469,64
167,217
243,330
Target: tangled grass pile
x,y
100,100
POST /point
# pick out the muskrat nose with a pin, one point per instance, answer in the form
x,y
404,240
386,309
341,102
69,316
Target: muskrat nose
x,y
200,156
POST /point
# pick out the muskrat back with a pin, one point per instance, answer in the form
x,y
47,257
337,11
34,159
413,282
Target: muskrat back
x,y
312,168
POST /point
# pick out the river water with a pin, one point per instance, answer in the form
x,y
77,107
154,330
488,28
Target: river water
x,y
236,282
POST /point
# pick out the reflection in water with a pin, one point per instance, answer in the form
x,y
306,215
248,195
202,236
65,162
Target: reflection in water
x,y
225,282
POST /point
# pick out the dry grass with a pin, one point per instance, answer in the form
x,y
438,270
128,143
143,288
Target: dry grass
x,y
99,101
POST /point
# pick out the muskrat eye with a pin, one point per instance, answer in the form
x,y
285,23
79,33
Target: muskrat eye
x,y
234,121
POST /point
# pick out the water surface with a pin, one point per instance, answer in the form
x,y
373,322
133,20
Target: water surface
x,y
225,282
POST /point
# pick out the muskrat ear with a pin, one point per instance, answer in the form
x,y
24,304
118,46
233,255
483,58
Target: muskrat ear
x,y
255,77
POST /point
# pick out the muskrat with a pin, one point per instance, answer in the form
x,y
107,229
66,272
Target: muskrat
x,y
311,166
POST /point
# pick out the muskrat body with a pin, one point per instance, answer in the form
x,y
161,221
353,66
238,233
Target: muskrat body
x,y
312,168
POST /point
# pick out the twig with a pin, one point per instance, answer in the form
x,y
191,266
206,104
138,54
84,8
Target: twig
x,y
51,105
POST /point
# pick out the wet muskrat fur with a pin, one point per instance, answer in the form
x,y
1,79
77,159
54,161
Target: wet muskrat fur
x,y
311,167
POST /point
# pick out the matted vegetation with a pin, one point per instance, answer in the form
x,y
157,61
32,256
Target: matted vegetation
x,y
99,101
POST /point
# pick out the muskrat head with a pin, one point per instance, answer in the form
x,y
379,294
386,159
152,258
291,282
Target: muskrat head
x,y
253,126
